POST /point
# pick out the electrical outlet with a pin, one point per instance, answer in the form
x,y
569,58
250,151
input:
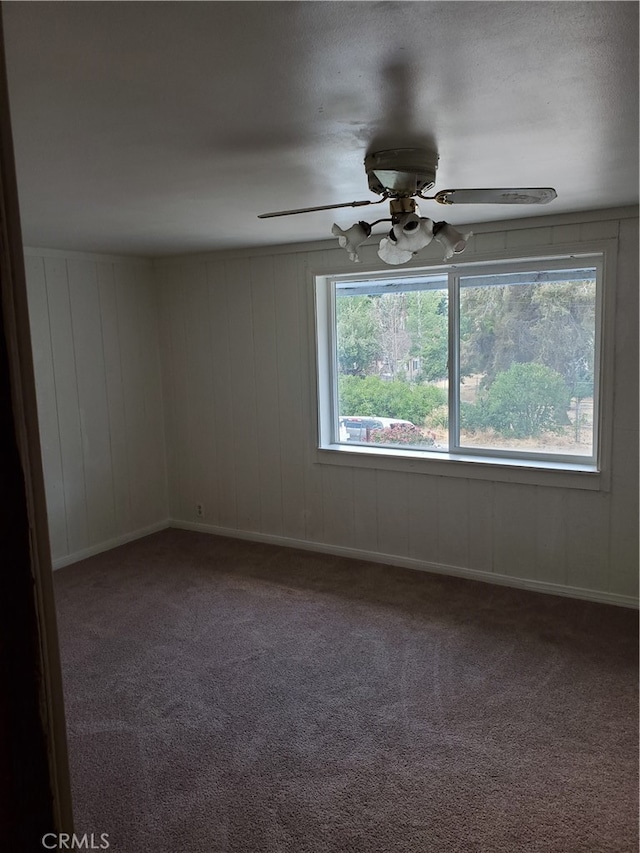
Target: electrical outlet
x,y
200,510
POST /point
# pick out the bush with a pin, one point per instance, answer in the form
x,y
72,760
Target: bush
x,y
524,401
439,418
403,434
372,395
474,416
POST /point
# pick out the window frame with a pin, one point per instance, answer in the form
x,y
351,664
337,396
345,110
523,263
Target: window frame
x,y
475,463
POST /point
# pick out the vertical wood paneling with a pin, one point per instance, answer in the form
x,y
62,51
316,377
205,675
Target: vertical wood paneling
x,y
313,506
270,426
453,521
133,388
86,381
623,509
137,312
393,513
148,438
292,359
528,237
625,376
155,480
200,440
481,524
181,451
222,395
243,386
492,241
423,518
66,383
165,296
587,547
47,405
84,297
338,499
115,401
551,535
565,233
599,230
365,521
514,530
169,285
624,514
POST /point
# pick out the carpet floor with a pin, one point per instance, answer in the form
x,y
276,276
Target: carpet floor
x,y
231,697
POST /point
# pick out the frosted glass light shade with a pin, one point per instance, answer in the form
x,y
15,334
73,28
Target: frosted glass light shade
x,y
410,234
452,240
413,232
352,238
391,254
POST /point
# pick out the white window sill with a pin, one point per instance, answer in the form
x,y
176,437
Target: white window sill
x,y
442,464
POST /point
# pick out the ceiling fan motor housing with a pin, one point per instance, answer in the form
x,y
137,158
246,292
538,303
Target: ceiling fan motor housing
x,y
401,172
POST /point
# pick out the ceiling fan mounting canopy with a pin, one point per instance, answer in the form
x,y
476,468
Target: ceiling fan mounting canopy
x,y
401,172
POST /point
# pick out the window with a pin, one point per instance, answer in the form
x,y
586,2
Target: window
x,y
496,362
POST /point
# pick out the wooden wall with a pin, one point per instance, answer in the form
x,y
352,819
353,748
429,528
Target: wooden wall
x,y
238,392
94,327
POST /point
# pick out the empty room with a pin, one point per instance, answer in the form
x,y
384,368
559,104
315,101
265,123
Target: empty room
x,y
321,322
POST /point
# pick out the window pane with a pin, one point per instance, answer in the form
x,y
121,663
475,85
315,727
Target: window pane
x,y
527,347
391,355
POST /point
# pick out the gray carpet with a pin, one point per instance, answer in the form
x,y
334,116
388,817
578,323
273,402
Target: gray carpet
x,y
231,697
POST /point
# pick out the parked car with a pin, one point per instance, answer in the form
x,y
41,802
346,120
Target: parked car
x,y
359,428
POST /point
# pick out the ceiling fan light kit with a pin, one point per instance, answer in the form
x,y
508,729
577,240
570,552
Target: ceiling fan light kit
x,y
412,233
400,175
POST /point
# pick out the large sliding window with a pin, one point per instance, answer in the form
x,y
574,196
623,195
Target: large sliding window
x,y
497,361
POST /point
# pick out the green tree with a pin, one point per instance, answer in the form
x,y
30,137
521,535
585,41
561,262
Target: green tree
x,y
525,400
428,327
496,328
357,338
394,342
565,332
376,334
549,323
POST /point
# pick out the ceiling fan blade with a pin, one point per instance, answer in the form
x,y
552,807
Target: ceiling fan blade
x,y
504,195
321,207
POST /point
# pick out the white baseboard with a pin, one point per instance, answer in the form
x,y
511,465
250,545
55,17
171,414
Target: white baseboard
x,y
110,543
410,563
356,554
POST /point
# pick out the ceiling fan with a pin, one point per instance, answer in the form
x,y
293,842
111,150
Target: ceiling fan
x,y
399,176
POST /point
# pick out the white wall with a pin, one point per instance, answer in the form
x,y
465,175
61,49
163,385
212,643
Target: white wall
x,y
94,327
238,391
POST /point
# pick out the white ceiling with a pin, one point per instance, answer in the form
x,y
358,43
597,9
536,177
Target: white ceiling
x,y
157,128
